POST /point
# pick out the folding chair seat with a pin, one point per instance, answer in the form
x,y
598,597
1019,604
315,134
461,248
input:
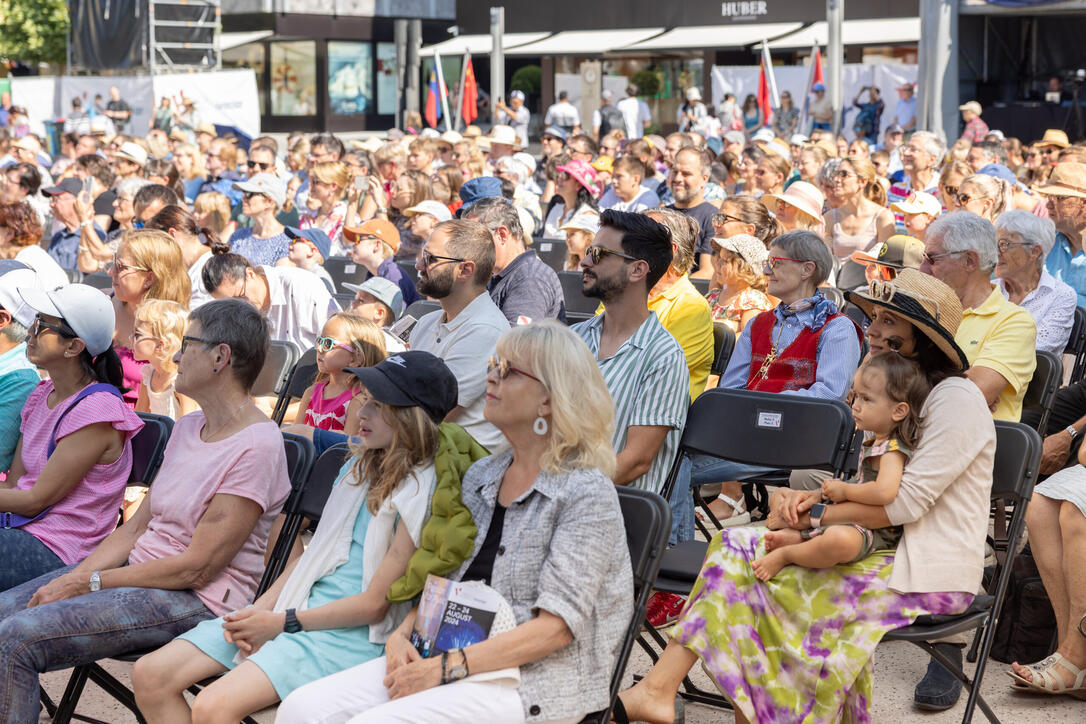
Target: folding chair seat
x,y
299,379
1017,458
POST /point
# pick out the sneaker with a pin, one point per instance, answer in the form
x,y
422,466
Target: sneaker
x,y
664,609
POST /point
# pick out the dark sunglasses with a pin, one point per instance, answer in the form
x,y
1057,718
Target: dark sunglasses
x,y
62,329
596,253
505,368
259,164
429,259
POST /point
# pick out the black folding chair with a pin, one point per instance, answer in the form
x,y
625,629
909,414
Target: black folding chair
x,y
578,306
148,447
1076,345
553,253
702,285
1043,386
344,300
422,307
98,280
300,453
410,270
299,379
1017,457
344,270
755,428
277,365
723,346
647,518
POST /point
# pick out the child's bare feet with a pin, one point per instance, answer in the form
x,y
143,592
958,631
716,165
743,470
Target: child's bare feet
x,y
769,565
778,538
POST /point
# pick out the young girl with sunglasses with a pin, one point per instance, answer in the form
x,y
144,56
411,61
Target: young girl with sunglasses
x,y
888,392
347,340
156,339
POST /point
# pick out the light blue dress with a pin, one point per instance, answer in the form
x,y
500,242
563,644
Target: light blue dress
x,y
292,660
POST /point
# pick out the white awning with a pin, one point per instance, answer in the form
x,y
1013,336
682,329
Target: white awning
x,y
234,40
585,42
735,35
478,44
888,31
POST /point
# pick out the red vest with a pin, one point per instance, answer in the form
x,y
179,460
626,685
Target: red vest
x,y
794,367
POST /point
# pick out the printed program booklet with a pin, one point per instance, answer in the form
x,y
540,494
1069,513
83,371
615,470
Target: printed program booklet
x,y
457,614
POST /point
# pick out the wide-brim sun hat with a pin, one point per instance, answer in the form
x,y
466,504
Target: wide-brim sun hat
x,y
585,175
500,134
1067,179
1054,137
930,306
751,249
802,195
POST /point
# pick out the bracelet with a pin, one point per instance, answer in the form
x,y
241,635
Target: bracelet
x,y
444,667
88,222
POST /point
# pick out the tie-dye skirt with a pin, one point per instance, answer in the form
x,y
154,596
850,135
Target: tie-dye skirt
x,y
798,648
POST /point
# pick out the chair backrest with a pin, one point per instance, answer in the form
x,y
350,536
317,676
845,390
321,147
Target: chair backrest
x,y
344,270
856,315
344,300
553,253
723,345
765,428
1042,388
572,291
1017,457
834,295
410,270
300,461
299,379
277,365
422,307
148,447
702,285
1076,344
98,280
74,276
647,518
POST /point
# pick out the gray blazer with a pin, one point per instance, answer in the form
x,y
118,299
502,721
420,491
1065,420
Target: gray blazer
x,y
563,549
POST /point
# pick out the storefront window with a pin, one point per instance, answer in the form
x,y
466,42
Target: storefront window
x,y
350,77
386,78
293,78
249,56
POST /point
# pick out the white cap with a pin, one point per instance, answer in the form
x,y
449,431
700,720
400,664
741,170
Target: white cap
x,y
451,137
693,94
583,221
267,184
13,276
797,139
919,202
763,134
434,208
527,159
85,309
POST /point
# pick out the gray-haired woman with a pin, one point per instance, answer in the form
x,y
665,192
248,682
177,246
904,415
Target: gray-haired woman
x,y
1024,242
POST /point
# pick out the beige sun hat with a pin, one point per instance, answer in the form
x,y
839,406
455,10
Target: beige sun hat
x,y
751,249
802,195
1067,179
500,134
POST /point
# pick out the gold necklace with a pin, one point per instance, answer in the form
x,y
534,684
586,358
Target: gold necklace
x,y
223,426
763,371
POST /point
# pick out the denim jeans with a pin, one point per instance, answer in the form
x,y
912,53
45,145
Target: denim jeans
x,y
701,470
80,630
25,558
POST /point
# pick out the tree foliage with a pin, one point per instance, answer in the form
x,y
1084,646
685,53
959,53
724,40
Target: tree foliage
x,y
33,30
528,79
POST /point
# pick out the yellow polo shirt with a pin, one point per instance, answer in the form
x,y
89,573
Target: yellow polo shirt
x,y
1001,336
686,315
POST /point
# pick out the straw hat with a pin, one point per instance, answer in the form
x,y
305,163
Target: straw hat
x,y
1067,179
930,306
1054,137
971,106
802,195
752,250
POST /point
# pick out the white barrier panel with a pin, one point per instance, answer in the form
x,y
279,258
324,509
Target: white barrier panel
x,y
743,79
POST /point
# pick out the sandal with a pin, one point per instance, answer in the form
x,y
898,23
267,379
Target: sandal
x,y
1049,682
740,515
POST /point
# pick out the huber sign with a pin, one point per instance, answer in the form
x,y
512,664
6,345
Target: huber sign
x,y
743,9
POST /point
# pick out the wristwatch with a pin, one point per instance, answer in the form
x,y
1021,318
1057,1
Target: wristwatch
x,y
817,511
291,624
456,673
1072,432
96,581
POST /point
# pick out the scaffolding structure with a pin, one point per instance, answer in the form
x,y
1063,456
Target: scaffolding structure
x,y
183,35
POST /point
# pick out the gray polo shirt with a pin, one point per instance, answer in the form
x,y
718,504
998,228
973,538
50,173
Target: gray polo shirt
x,y
465,343
528,288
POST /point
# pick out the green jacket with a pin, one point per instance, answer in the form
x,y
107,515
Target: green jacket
x,y
448,537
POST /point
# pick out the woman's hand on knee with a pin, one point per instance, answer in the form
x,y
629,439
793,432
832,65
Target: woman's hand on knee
x,y
250,628
413,678
61,588
399,652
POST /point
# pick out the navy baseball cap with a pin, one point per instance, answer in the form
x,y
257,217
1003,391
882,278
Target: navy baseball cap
x,y
70,185
316,237
411,379
556,132
477,189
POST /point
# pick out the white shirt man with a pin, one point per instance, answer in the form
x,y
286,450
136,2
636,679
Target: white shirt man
x,y
563,114
636,114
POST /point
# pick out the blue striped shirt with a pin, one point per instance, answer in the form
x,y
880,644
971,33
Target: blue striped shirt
x,y
838,354
650,385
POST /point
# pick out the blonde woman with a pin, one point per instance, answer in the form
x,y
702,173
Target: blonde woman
x,y
328,611
212,211
738,285
860,221
950,179
327,209
147,265
550,539
984,195
771,173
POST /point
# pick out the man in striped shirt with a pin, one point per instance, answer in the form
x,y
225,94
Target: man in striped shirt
x,y
641,362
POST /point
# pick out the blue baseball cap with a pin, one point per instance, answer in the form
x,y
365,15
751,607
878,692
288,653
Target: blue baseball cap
x,y
999,171
477,189
556,132
316,237
818,87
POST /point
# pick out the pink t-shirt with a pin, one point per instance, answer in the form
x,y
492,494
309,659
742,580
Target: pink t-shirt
x,y
76,524
250,464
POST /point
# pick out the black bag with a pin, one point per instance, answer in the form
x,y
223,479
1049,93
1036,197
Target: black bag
x,y
1027,625
610,119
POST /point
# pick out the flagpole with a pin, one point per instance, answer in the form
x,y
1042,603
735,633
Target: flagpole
x,y
441,90
460,98
771,78
807,94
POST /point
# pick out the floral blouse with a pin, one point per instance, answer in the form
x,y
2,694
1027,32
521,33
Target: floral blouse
x,y
333,226
749,299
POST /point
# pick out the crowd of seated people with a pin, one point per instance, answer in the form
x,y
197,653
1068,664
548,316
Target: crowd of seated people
x,y
812,253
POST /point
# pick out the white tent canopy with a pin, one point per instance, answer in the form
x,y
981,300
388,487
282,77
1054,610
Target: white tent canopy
x,y
585,42
881,31
479,44
714,36
234,40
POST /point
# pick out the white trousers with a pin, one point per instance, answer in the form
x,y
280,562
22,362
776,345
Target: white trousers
x,y
358,696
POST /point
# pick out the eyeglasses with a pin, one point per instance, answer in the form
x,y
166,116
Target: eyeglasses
x,y
951,191
428,259
186,339
259,164
721,219
561,176
884,291
773,261
121,267
325,345
62,329
595,253
932,258
1003,246
843,174
1058,199
964,199
505,368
